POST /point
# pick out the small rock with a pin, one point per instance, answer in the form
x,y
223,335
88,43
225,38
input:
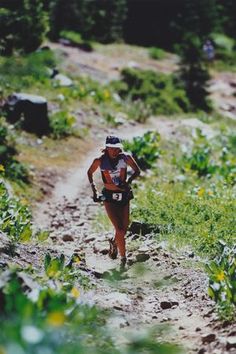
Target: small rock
x,y
67,238
231,342
142,257
126,324
198,329
202,351
181,327
89,239
104,251
209,338
165,305
165,319
80,223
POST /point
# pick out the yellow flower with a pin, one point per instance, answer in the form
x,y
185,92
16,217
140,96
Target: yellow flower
x,y
220,276
56,318
210,193
106,94
200,192
24,201
75,292
2,169
76,259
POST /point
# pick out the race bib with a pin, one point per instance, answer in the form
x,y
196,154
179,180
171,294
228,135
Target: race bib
x,y
117,196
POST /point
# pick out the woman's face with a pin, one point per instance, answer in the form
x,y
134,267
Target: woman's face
x,y
113,152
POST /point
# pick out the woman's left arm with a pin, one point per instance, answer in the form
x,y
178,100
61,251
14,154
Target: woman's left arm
x,y
133,164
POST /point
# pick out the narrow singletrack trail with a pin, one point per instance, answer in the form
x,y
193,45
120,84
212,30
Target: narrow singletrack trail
x,y
158,288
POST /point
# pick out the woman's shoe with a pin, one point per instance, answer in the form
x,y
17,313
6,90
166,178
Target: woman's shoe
x,y
113,252
123,264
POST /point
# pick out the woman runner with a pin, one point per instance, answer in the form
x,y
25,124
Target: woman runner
x,y
117,192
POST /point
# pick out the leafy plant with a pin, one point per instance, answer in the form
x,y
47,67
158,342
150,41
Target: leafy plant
x,y
54,267
25,17
75,39
145,149
157,53
13,169
62,124
158,91
139,111
222,280
15,219
184,215
21,72
208,158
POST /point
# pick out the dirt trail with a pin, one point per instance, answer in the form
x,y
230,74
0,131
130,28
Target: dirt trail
x,y
168,291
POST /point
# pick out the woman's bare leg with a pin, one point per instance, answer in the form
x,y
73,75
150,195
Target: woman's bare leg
x,y
119,216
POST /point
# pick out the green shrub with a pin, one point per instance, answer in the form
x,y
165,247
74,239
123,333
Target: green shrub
x,y
145,149
21,72
139,111
23,26
157,53
14,170
222,280
197,216
208,158
15,218
76,39
157,91
223,42
62,124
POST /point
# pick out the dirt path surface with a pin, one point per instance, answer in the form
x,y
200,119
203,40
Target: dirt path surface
x,y
159,287
106,61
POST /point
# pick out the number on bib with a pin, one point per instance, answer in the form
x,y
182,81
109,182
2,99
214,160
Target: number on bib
x,y
117,196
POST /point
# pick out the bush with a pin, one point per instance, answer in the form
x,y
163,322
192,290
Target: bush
x,y
222,280
22,72
157,53
211,158
75,39
186,215
23,26
157,91
145,149
62,124
13,169
15,218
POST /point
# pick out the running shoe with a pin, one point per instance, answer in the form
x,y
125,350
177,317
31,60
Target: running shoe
x,y
113,252
123,264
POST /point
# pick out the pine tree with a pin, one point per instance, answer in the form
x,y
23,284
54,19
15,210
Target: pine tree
x,y
193,73
24,23
101,20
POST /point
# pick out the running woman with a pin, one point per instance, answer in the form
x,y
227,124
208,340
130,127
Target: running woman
x,y
117,191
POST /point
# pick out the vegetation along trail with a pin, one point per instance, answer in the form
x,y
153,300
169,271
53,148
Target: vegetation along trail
x,y
160,286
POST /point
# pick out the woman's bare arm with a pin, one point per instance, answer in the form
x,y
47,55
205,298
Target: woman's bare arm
x,y
94,166
133,164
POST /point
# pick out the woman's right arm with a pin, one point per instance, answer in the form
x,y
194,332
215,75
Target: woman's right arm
x,y
94,166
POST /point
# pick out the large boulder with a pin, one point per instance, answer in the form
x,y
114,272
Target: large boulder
x,y
32,109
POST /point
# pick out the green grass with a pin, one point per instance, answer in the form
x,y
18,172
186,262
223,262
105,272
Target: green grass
x,y
188,216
